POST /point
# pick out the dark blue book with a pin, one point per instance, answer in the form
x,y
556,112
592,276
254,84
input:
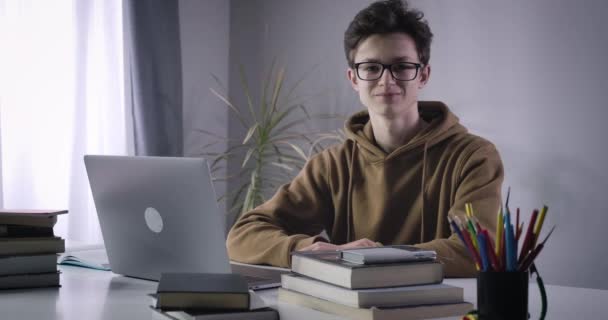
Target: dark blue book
x,y
180,291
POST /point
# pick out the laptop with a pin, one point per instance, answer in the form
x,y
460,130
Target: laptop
x,y
160,214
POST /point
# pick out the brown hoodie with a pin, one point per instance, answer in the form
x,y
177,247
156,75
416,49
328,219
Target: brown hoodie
x,y
355,190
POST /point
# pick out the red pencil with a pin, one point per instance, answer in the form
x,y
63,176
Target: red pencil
x,y
491,252
517,224
529,259
526,247
469,244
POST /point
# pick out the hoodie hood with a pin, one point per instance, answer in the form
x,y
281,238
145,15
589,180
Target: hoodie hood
x,y
442,125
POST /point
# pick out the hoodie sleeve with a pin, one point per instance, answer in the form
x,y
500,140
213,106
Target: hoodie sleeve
x,y
292,219
479,182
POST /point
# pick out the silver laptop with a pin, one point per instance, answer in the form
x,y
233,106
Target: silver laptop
x,y
159,214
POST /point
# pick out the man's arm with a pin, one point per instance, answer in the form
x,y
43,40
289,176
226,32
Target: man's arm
x,y
291,220
480,184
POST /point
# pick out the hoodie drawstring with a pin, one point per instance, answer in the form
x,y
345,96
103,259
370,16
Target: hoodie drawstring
x,y
349,205
424,156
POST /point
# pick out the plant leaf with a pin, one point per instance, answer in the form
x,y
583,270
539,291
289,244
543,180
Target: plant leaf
x,y
250,133
277,89
243,77
231,106
297,149
282,165
247,156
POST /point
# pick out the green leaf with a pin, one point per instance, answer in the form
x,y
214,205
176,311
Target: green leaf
x,y
219,83
296,149
282,165
250,133
232,107
243,78
247,156
277,89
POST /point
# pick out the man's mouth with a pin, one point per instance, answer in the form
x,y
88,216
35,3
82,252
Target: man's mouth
x,y
387,94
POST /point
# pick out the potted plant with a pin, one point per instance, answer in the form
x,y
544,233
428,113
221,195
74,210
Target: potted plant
x,y
275,145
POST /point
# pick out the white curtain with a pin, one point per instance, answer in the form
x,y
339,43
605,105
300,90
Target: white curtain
x,y
61,96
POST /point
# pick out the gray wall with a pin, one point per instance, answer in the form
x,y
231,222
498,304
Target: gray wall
x,y
205,27
528,75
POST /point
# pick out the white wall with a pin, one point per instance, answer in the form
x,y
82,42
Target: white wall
x,y
529,75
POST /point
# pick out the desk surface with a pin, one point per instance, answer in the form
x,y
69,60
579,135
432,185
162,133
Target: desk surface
x,y
93,294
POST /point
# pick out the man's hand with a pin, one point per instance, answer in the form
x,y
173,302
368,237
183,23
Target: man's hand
x,y
324,246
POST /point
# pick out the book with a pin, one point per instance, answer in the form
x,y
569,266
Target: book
x,y
24,246
257,310
258,314
380,297
202,291
72,260
29,217
31,213
44,263
374,313
327,266
47,222
388,254
36,280
17,231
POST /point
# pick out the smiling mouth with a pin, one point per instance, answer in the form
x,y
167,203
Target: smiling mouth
x,y
388,94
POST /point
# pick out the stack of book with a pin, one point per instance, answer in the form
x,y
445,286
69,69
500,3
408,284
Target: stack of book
x,y
29,248
207,296
324,281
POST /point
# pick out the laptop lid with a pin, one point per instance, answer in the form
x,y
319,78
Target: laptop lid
x,y
158,214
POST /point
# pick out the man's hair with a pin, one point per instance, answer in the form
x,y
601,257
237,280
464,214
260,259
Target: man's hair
x,y
384,17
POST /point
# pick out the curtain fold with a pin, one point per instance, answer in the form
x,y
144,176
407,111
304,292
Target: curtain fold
x,y
154,76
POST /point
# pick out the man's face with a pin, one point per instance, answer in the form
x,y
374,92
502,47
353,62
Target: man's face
x,y
387,96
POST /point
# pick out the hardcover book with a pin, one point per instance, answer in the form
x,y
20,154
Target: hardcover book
x,y
44,263
380,297
396,313
37,245
328,266
202,291
29,280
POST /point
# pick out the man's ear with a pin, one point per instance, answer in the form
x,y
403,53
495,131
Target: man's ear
x,y
425,74
352,78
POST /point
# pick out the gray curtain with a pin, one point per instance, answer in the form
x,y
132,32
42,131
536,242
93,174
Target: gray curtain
x,y
154,55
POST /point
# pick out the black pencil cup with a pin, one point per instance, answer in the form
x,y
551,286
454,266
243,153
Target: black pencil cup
x,y
502,295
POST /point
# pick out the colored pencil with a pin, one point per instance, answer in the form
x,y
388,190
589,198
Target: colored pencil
x,y
528,260
528,245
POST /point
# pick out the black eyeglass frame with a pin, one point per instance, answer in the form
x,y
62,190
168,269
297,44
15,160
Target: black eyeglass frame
x,y
387,66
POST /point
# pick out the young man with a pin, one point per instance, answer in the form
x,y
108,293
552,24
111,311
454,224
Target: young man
x,y
405,167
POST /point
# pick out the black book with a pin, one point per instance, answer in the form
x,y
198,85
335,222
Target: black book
x,y
13,265
202,291
37,280
17,231
31,245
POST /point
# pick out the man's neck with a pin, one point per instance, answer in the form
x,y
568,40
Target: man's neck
x,y
392,133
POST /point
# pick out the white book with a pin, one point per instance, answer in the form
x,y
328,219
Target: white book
x,y
379,297
397,313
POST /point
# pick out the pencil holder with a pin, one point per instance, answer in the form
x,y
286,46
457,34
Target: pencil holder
x,y
502,295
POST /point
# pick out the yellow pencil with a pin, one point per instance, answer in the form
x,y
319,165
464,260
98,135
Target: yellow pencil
x,y
539,224
468,209
499,226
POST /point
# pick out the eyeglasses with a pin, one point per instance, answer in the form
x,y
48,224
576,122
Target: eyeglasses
x,y
401,71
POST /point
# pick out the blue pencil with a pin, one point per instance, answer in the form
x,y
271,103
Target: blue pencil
x,y
508,243
481,240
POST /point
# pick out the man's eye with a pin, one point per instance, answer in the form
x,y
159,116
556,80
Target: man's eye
x,y
372,68
403,67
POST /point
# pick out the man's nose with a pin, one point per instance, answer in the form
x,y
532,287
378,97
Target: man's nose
x,y
387,77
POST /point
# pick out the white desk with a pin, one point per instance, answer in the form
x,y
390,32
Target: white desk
x,y
92,294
